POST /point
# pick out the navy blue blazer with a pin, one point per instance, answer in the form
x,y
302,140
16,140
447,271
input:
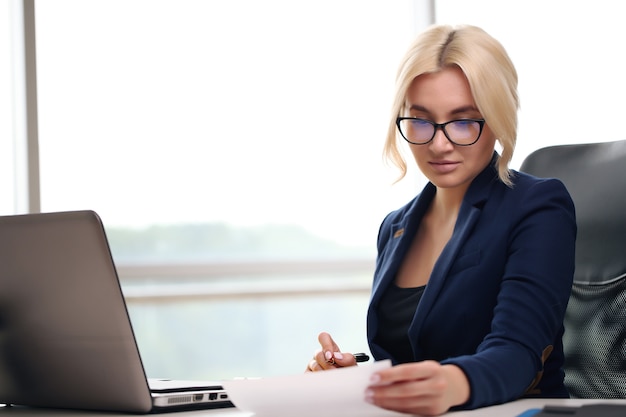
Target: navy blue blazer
x,y
496,298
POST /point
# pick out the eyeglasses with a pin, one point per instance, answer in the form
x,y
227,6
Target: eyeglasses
x,y
462,132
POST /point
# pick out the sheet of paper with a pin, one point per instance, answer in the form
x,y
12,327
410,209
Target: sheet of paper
x,y
339,392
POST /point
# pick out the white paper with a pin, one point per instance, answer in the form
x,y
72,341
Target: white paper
x,y
338,392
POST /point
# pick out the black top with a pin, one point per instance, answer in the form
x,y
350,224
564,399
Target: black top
x,y
395,312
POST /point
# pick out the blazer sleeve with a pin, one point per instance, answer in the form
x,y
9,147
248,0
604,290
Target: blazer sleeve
x,y
531,303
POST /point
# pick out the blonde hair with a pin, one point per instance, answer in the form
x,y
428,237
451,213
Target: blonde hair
x,y
491,75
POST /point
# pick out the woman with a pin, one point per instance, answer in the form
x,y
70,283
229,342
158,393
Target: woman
x,y
473,275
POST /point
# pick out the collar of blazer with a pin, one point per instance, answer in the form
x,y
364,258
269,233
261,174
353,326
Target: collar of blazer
x,y
405,226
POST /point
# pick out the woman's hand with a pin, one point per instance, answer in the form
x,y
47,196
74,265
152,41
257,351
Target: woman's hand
x,y
424,388
329,356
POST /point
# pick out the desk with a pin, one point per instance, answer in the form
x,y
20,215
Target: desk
x,y
517,407
505,410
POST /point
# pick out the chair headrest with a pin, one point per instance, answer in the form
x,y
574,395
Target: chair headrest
x,y
595,175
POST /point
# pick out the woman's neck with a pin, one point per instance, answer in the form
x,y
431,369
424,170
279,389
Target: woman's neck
x,y
447,202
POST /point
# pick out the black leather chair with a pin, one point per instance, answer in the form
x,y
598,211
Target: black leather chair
x,y
595,321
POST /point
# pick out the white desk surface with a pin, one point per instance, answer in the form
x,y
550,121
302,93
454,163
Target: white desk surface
x,y
517,407
505,410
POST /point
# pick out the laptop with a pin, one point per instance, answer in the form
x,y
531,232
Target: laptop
x,y
66,339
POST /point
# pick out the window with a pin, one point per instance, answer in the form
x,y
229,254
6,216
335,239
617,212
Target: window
x,y
6,112
233,151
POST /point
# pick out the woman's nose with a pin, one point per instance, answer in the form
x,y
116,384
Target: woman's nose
x,y
440,141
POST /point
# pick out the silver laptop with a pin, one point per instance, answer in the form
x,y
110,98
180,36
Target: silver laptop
x,y
66,339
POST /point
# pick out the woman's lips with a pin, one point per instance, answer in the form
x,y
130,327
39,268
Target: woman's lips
x,y
443,167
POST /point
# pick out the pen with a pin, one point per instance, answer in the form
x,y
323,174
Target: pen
x,y
361,357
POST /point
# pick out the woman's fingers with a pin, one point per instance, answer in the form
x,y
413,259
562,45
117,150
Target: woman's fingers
x,y
329,356
329,347
424,388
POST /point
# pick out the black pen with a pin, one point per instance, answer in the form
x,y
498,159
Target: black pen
x,y
361,357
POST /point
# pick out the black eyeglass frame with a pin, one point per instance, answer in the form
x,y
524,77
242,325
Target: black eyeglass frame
x,y
442,126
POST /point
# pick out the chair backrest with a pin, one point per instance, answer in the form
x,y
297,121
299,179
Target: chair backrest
x,y
595,321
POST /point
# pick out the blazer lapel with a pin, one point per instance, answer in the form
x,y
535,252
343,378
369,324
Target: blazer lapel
x,y
401,236
469,214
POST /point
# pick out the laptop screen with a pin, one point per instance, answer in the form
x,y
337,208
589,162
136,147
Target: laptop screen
x,y
65,334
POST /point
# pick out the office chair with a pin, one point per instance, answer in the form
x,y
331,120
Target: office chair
x,y
595,320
